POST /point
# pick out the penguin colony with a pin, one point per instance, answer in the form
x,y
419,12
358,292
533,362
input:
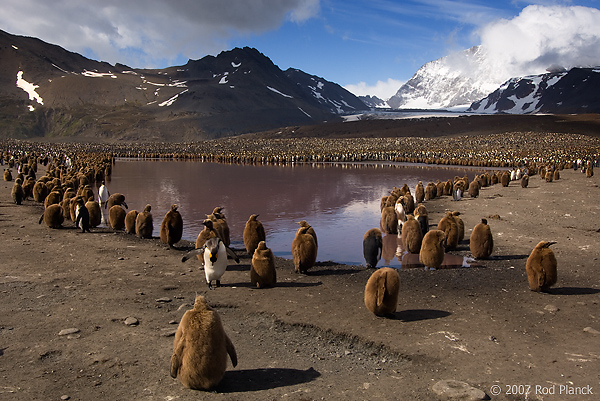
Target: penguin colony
x,y
201,347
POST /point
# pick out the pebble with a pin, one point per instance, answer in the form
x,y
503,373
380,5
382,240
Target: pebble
x,y
66,332
164,299
591,330
168,332
457,390
551,308
65,397
131,321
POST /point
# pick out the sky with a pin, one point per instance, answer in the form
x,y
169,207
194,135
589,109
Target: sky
x,y
369,47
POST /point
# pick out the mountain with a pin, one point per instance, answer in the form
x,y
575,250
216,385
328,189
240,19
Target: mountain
x,y
455,80
331,95
374,102
46,90
563,92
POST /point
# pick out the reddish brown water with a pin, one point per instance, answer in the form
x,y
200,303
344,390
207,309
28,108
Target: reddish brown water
x,y
340,201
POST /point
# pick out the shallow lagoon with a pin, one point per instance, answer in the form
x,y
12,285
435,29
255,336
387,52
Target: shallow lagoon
x,y
341,201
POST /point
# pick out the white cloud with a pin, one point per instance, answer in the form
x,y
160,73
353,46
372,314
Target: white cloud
x,y
382,89
144,33
541,37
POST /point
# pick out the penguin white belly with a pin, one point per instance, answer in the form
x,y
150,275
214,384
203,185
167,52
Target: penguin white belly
x,y
215,270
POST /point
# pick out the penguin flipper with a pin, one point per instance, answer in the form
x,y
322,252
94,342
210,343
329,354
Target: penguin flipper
x,y
193,252
41,219
231,351
176,358
232,254
380,289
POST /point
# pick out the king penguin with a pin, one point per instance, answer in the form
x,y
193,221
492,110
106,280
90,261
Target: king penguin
x,y
215,259
82,215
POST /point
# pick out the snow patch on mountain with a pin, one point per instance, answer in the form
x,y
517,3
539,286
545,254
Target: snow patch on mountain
x,y
279,93
30,89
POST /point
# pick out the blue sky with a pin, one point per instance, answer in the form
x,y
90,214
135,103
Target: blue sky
x,y
367,46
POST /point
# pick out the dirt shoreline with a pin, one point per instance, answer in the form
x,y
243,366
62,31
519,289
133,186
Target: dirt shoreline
x,y
310,337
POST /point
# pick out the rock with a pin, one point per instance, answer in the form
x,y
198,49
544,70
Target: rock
x,y
131,321
66,332
65,397
551,308
457,390
591,331
169,332
164,299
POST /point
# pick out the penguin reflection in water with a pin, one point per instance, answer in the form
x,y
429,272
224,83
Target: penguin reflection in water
x,y
215,259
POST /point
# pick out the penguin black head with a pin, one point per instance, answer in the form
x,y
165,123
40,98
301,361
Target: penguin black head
x,y
212,246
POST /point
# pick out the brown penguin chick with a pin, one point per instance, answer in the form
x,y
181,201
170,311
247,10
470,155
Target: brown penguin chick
x,y
17,192
556,175
93,208
524,181
505,179
7,174
311,231
432,249
389,220
430,191
419,192
262,270
87,193
448,187
448,225
411,234
460,225
171,228
409,203
549,175
541,267
474,189
54,197
116,217
304,250
207,232
66,208
130,221
439,189
116,199
589,171
481,241
254,233
201,347
381,291
220,225
28,188
40,191
52,216
143,223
